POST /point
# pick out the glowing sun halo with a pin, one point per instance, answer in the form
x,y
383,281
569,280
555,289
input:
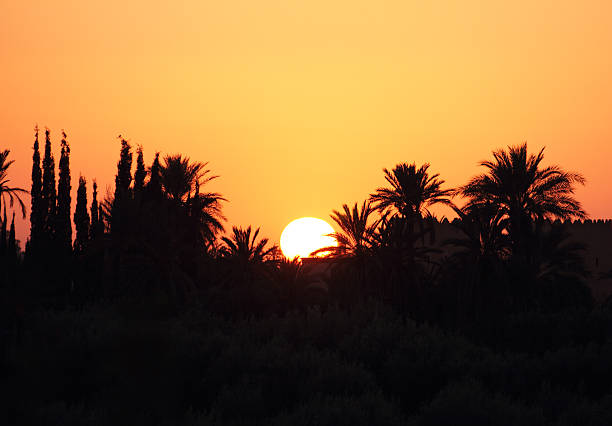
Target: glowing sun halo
x,y
305,235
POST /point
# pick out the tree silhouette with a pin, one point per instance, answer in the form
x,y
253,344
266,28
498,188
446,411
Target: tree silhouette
x,y
179,176
523,191
244,247
49,194
353,265
247,261
483,228
3,234
356,231
140,174
7,191
412,191
12,242
37,215
63,227
295,288
123,179
475,283
154,186
81,218
403,266
96,227
205,212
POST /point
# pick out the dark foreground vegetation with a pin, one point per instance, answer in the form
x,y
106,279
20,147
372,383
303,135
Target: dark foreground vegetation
x,y
362,366
148,314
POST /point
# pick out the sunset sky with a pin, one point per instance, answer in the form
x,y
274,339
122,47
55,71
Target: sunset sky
x,y
299,105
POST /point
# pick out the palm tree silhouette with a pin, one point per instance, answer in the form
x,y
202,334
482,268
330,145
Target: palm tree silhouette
x,y
295,287
523,191
353,255
244,247
483,232
402,265
355,237
205,210
412,191
247,262
179,176
12,193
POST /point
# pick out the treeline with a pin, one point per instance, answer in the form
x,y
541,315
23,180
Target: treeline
x,y
149,313
156,241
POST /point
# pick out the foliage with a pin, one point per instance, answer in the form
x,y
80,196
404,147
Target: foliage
x,y
140,174
7,191
49,193
523,192
159,319
364,366
412,191
81,218
36,213
63,227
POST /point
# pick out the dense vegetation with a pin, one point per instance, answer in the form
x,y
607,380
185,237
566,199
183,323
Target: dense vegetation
x,y
148,313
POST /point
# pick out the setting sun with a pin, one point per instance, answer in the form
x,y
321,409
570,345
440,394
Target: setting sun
x,y
305,235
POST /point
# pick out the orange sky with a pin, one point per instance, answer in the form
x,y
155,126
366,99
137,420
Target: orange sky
x,y
298,105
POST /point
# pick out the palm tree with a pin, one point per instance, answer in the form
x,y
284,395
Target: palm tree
x,y
413,191
247,262
295,287
523,191
403,267
353,250
355,237
244,247
205,210
12,193
477,261
179,176
483,232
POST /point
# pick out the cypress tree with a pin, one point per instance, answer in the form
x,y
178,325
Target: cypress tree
x,y
81,218
123,179
3,234
101,229
122,183
12,243
140,174
36,213
95,218
154,185
48,194
63,229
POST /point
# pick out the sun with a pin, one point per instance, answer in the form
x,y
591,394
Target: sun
x,y
305,235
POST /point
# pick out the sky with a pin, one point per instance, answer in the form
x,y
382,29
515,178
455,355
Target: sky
x,y
299,105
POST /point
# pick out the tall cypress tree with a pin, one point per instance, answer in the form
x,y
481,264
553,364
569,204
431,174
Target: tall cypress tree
x,y
101,225
12,243
36,214
154,185
95,218
122,183
48,194
123,179
81,218
3,234
63,228
140,173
